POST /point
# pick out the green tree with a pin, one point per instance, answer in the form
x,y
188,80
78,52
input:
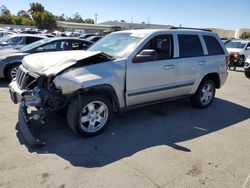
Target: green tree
x,y
48,21
245,35
36,7
6,18
27,21
37,18
41,17
89,21
60,18
76,18
17,20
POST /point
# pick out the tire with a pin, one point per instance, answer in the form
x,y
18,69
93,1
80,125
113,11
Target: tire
x,y
241,61
12,70
83,116
204,96
247,74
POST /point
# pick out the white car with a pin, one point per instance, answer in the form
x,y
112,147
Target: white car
x,y
239,50
247,67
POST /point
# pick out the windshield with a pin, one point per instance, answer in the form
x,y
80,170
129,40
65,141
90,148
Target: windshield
x,y
117,45
34,45
235,44
5,38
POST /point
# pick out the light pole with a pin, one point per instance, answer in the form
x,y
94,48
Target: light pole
x,y
96,15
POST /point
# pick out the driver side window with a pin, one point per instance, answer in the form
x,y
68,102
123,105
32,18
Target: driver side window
x,y
160,47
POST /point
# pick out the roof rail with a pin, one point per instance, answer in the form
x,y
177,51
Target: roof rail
x,y
199,29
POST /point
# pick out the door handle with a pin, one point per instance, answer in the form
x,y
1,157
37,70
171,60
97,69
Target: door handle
x,y
201,62
168,67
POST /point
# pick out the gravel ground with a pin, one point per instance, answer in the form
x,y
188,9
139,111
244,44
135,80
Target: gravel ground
x,y
167,145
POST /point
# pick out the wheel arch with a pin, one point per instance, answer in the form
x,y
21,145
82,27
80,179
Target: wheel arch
x,y
6,68
104,89
215,77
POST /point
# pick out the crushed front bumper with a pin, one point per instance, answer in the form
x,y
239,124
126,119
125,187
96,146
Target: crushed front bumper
x,y
16,95
24,126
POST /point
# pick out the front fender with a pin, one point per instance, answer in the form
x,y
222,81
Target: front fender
x,y
108,73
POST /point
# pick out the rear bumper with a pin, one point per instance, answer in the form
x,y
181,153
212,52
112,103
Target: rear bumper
x,y
223,78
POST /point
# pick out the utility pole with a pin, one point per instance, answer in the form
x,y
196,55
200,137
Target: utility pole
x,y
96,15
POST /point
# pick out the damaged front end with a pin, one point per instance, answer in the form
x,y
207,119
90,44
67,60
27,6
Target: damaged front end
x,y
37,97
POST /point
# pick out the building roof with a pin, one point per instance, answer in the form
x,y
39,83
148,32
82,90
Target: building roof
x,y
125,25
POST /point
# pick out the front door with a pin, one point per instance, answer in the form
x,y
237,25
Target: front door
x,y
154,78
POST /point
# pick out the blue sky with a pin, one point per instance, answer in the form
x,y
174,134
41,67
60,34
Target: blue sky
x,y
227,14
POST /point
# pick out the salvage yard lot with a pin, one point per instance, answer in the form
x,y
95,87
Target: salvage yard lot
x,y
167,145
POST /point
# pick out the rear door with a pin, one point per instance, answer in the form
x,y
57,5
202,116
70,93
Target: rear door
x,y
216,55
191,61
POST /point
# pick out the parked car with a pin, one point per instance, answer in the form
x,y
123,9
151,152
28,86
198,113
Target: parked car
x,y
239,50
124,70
93,38
3,33
84,36
18,40
10,61
247,67
225,40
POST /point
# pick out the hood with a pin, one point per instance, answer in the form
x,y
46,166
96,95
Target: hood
x,y
234,50
51,63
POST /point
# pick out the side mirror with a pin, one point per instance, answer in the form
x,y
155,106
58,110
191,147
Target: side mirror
x,y
248,48
145,55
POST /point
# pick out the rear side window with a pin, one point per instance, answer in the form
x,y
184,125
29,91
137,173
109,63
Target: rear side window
x,y
190,46
213,46
30,40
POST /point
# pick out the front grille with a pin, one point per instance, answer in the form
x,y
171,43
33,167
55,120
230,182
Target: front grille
x,y
23,77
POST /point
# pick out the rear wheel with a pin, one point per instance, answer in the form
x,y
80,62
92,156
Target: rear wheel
x,y
12,71
204,96
241,61
89,115
247,74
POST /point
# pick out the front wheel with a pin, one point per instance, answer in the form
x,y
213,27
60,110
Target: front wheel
x,y
89,115
204,96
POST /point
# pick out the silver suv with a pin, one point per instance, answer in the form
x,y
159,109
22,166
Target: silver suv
x,y
124,70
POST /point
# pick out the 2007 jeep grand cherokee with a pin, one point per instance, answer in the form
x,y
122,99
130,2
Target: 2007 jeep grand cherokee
x,y
123,70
